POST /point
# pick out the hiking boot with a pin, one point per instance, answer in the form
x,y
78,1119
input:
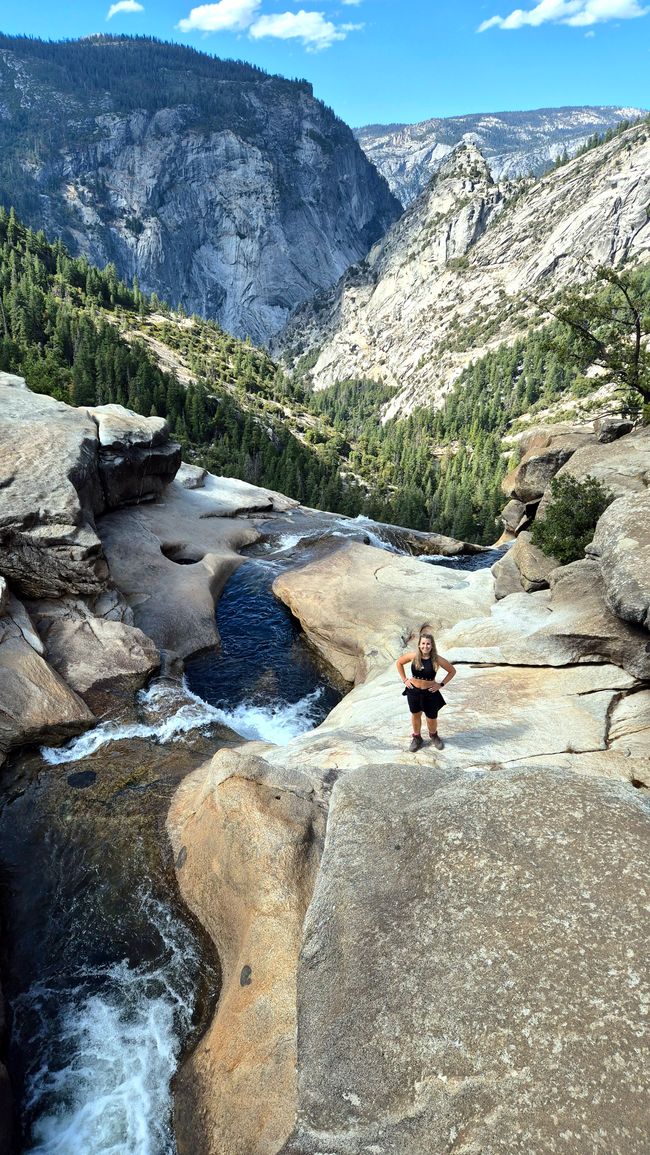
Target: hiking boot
x,y
416,743
437,741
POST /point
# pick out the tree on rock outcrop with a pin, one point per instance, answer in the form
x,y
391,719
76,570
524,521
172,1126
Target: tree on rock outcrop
x,y
571,517
612,323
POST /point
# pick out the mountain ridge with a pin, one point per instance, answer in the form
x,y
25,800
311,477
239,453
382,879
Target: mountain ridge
x,y
515,143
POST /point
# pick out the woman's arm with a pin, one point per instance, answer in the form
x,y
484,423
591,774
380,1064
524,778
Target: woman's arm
x,y
400,663
450,671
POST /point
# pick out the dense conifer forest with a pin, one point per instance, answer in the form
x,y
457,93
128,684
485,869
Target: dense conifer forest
x,y
85,337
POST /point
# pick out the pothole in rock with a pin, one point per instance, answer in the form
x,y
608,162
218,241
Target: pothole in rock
x,y
181,553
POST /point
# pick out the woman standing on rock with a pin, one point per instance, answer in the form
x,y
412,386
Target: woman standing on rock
x,y
422,690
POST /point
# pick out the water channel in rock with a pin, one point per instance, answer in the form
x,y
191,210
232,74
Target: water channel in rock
x,y
108,979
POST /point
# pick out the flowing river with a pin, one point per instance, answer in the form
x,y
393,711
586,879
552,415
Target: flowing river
x,y
108,979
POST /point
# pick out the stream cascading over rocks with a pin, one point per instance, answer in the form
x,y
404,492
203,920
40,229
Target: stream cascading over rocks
x,y
109,979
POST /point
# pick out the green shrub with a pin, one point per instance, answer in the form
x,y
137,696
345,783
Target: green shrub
x,y
570,517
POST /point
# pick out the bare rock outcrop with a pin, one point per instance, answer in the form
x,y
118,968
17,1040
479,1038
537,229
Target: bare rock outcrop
x,y
36,705
60,468
136,457
50,492
567,625
544,457
507,578
473,957
434,999
103,660
535,567
247,843
377,600
622,466
622,547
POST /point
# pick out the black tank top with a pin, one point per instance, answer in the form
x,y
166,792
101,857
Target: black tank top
x,y
426,672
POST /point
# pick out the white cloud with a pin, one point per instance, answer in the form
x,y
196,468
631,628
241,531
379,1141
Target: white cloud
x,y
124,6
350,1
225,16
577,13
311,28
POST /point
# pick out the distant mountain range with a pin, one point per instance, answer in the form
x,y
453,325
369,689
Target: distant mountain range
x,y
221,188
513,143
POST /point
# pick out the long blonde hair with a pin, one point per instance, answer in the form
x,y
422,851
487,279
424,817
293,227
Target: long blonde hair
x,y
425,632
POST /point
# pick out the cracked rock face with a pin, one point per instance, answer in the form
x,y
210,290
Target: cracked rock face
x,y
36,705
50,491
103,660
622,547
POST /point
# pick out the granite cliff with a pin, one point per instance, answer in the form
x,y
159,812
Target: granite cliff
x,y
229,191
461,271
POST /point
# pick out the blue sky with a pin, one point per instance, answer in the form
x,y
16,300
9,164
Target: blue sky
x,y
395,60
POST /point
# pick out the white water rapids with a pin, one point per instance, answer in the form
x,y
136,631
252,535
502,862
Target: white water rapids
x,y
102,1084
273,723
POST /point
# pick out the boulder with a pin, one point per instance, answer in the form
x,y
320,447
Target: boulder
x,y
136,458
546,450
104,661
513,514
360,605
474,956
36,705
49,494
611,428
622,547
507,579
534,567
623,466
247,843
191,476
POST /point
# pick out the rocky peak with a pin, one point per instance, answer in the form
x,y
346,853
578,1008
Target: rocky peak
x,y
453,278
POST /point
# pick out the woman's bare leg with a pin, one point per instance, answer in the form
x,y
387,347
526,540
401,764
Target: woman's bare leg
x,y
432,726
416,722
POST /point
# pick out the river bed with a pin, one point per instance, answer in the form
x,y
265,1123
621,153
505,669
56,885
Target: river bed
x,y
109,981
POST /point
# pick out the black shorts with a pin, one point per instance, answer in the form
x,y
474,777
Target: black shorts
x,y
420,700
